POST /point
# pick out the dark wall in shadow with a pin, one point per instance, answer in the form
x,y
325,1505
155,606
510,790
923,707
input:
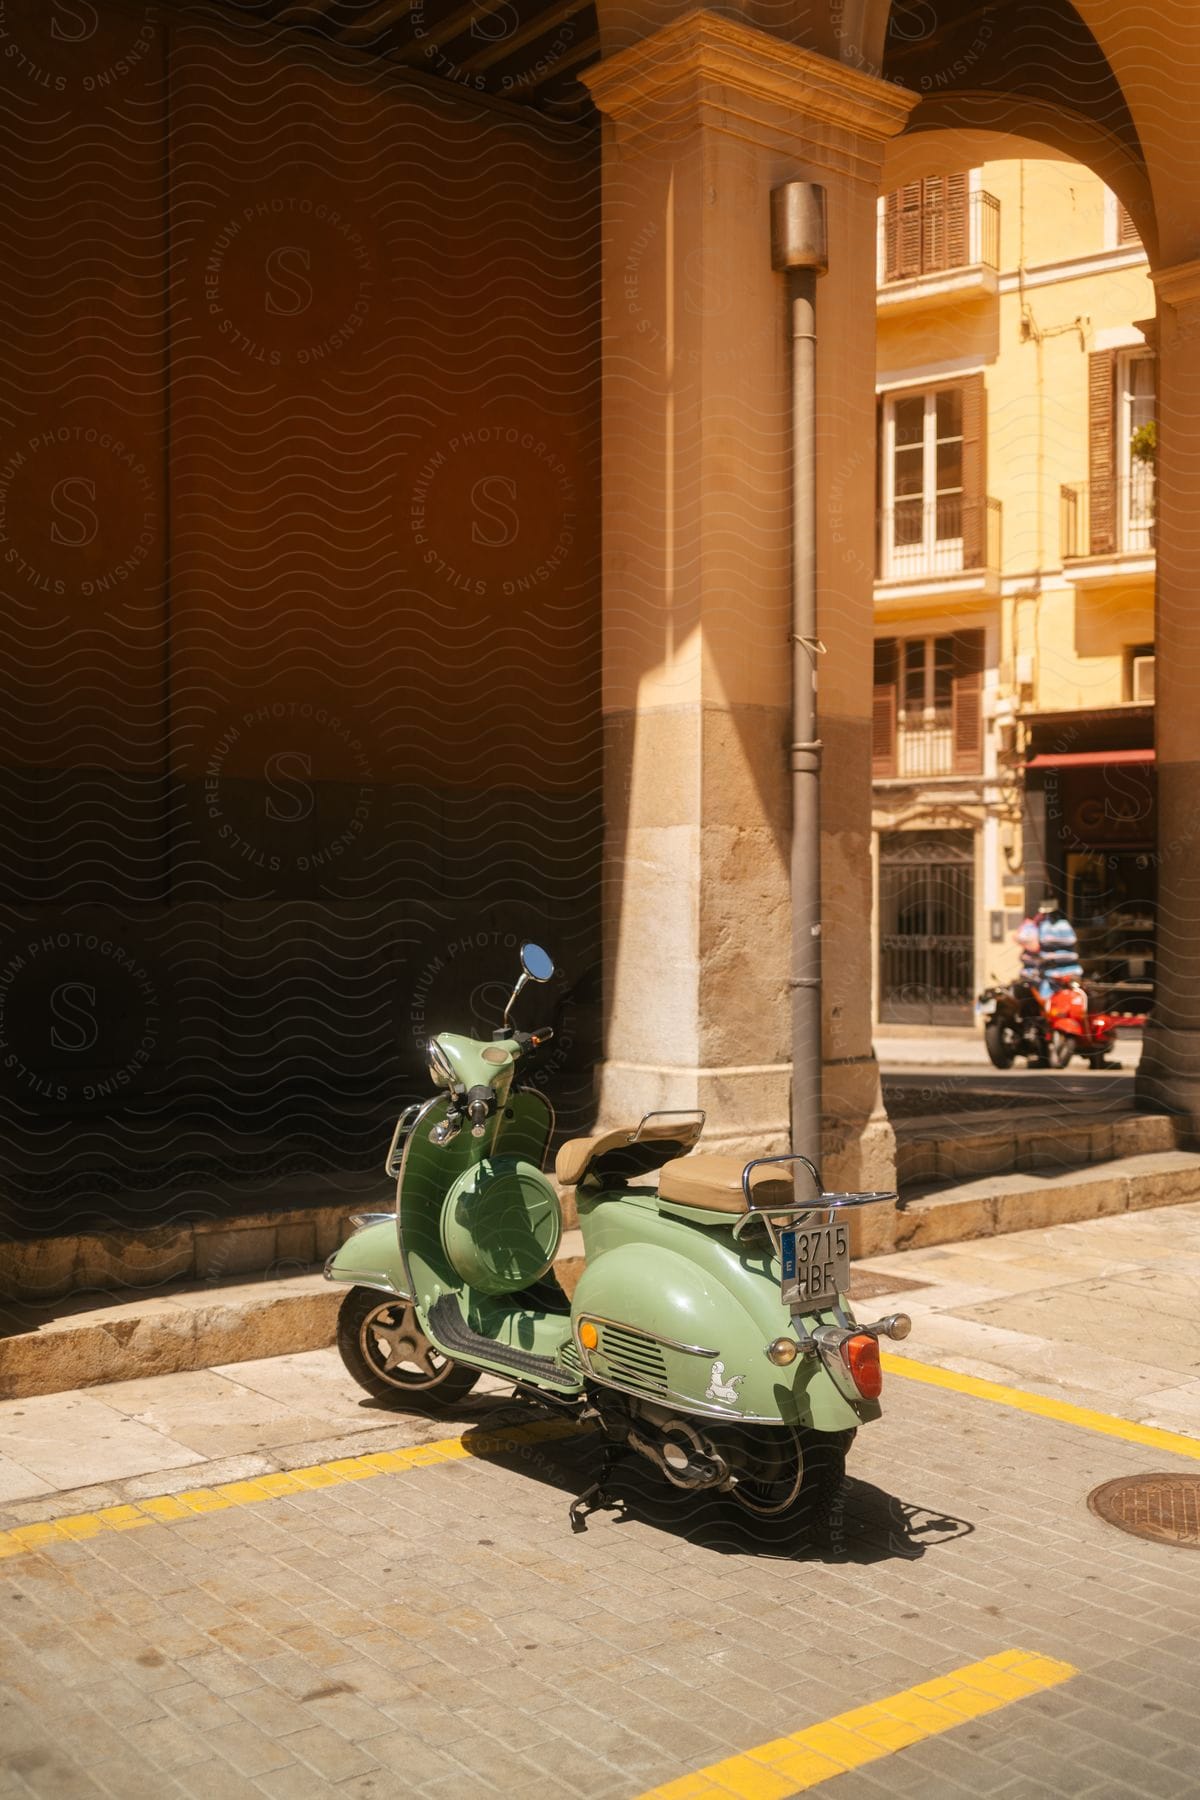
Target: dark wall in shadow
x,y
298,534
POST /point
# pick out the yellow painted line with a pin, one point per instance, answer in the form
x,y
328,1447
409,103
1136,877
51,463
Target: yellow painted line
x,y
1150,1436
790,1765
165,1508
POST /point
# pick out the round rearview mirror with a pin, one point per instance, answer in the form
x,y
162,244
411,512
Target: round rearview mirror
x,y
536,962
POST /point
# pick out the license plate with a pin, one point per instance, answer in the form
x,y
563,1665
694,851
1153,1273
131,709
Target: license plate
x,y
985,1008
815,1265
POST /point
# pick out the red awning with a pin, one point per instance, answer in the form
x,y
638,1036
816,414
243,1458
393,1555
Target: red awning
x,y
1081,759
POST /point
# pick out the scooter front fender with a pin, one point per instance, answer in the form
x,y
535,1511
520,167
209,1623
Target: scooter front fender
x,y
698,1344
371,1259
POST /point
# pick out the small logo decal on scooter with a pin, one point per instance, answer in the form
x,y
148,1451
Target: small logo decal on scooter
x,y
720,1389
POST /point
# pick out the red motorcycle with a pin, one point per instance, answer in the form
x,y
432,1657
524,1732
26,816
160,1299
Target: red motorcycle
x,y
1049,1031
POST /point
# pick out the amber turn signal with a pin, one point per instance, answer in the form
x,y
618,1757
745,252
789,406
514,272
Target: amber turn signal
x,y
589,1337
862,1360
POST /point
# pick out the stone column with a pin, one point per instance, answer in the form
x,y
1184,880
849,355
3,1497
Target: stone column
x,y
1169,1072
702,120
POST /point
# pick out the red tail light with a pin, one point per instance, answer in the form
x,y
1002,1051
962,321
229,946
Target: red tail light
x,y
862,1360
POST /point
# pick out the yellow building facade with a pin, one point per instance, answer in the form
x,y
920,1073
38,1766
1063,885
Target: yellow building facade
x,y
1013,730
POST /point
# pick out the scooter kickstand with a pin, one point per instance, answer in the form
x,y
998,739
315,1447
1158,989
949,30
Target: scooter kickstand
x,y
597,1498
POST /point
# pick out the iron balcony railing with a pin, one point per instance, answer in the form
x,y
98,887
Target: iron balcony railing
x,y
1109,518
939,236
925,744
922,541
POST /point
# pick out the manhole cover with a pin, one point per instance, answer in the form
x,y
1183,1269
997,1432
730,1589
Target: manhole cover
x,y
1163,1508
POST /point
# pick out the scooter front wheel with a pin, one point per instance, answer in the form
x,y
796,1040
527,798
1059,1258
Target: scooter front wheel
x,y
1062,1048
381,1342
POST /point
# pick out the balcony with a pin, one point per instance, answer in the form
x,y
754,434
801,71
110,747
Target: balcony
x,y
948,250
949,546
1107,527
925,745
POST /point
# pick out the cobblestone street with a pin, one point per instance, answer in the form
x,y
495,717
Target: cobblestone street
x,y
435,1627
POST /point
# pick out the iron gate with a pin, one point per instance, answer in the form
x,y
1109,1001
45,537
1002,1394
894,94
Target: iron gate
x,y
926,927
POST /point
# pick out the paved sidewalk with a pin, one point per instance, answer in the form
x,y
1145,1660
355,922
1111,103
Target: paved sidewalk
x,y
966,1050
1105,1313
439,1630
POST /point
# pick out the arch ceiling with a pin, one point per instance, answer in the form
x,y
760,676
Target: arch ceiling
x,y
529,52
1034,68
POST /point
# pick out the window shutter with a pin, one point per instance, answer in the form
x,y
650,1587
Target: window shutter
x,y
933,223
883,710
958,236
974,472
902,232
1102,452
967,690
1127,231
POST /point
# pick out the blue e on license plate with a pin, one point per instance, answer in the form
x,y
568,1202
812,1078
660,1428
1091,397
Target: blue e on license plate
x,y
815,1265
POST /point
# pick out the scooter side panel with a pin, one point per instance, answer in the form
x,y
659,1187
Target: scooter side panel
x,y
371,1258
697,1289
428,1173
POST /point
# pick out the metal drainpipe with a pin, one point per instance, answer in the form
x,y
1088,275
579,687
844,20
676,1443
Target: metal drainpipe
x,y
798,247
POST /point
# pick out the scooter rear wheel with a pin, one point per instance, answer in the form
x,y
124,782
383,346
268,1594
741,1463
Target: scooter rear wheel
x,y
810,1489
382,1345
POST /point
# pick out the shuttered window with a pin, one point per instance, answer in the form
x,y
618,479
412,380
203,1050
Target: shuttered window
x,y
883,710
926,227
933,460
927,706
1102,453
1121,486
967,701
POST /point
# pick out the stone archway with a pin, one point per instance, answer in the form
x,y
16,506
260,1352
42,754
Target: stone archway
x,y
703,113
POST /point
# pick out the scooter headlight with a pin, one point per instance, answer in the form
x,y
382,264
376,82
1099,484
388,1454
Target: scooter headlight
x,y
783,1350
440,1072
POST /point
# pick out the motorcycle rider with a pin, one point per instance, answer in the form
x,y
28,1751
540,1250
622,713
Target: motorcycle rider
x,y
1049,948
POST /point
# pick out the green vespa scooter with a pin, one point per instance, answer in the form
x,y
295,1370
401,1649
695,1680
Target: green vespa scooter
x,y
710,1332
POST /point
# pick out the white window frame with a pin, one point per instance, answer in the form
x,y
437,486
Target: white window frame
x,y
921,725
1135,486
932,555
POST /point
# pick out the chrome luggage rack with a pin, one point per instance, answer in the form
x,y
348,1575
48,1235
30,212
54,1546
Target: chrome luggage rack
x,y
692,1132
829,1204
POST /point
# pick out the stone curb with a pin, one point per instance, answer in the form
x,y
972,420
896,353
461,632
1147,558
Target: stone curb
x,y
202,1327
928,1153
188,1328
1024,1202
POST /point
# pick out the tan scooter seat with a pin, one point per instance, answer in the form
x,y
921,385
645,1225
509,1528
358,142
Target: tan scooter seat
x,y
715,1183
571,1163
614,1154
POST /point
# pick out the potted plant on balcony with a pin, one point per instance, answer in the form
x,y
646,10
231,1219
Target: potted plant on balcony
x,y
1143,451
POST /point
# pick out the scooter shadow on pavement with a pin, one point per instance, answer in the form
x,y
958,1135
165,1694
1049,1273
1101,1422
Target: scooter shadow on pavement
x,y
863,1526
